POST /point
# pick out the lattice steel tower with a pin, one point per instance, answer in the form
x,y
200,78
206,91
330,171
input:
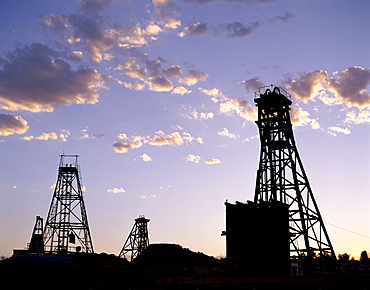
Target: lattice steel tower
x,y
66,228
281,176
36,245
138,239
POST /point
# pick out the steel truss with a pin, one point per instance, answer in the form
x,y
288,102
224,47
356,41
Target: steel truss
x,y
67,222
281,176
137,241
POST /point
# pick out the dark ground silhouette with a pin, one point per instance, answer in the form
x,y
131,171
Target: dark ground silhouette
x,y
168,266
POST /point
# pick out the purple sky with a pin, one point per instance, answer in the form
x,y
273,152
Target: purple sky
x,y
157,99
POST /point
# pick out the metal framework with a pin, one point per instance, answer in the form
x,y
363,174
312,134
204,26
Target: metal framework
x,y
36,245
66,228
281,176
137,241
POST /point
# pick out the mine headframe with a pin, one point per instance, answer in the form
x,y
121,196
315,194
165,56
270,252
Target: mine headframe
x,y
66,228
36,245
137,241
282,178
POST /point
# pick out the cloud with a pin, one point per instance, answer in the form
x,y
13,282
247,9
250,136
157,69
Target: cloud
x,y
86,135
160,84
180,90
34,78
249,2
253,84
240,107
213,161
334,130
11,124
43,136
237,29
128,143
229,105
285,18
349,87
167,11
133,86
201,115
225,132
116,190
194,76
193,158
47,136
85,30
160,138
232,30
195,29
146,157
299,117
308,85
173,71
133,69
358,117
213,93
94,6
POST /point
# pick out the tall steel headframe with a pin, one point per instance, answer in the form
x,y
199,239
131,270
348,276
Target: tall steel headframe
x,y
66,228
281,176
137,241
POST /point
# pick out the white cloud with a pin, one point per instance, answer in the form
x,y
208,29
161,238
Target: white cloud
x,y
146,157
358,117
116,190
201,115
300,117
213,161
195,29
11,124
193,158
43,136
193,77
180,90
225,132
334,130
160,138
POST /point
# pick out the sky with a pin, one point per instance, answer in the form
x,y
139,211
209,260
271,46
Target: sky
x,y
157,99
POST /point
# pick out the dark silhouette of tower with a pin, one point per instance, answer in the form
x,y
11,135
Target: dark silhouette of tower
x,y
283,222
36,245
138,239
66,228
281,176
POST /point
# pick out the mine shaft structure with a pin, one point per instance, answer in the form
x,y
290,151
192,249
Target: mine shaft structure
x,y
36,245
137,241
66,227
282,178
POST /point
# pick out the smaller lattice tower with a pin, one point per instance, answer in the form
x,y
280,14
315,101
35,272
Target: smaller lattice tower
x,y
66,228
36,245
137,241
